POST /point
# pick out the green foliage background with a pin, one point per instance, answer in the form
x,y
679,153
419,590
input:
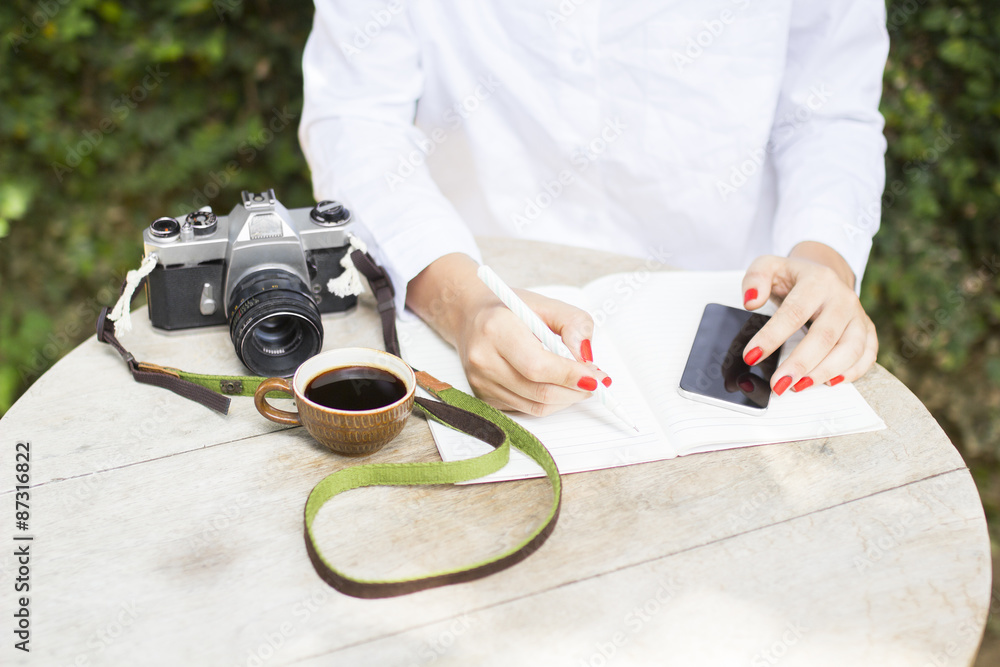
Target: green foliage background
x,y
112,113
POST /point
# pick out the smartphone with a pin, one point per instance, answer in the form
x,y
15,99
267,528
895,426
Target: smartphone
x,y
715,372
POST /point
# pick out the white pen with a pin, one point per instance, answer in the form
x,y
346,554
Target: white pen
x,y
548,337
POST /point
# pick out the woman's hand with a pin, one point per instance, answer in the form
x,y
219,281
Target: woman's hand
x,y
814,284
505,364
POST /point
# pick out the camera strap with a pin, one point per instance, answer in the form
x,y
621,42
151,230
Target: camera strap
x,y
454,408
213,391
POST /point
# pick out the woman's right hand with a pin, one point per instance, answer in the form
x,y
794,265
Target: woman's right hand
x,y
505,363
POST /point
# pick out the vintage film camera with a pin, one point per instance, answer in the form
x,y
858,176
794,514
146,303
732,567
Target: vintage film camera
x,y
262,269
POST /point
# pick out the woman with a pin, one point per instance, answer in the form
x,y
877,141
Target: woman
x,y
711,135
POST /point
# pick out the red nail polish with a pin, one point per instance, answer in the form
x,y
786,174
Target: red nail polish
x,y
753,356
781,385
606,382
835,381
750,295
804,383
745,385
587,384
585,352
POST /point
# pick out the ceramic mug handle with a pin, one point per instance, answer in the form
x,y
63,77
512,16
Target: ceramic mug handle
x,y
268,410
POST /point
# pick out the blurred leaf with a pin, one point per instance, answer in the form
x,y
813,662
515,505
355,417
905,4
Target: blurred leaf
x,y
8,387
115,113
192,6
14,200
110,11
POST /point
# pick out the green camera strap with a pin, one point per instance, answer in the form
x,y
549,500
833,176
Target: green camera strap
x,y
454,408
469,415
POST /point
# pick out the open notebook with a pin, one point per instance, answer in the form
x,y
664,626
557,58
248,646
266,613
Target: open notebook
x,y
646,323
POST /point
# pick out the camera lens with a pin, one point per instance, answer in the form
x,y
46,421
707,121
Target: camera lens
x,y
274,322
277,334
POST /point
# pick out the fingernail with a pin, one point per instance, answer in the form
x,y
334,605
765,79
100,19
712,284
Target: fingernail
x,y
753,356
804,383
585,352
835,381
587,384
750,295
606,381
746,385
781,385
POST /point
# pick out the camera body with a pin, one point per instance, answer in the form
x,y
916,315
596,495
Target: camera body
x,y
263,269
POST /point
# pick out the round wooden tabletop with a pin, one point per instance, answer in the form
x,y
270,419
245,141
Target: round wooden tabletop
x,y
164,533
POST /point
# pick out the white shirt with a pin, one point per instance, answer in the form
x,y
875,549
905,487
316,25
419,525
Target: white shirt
x,y
699,133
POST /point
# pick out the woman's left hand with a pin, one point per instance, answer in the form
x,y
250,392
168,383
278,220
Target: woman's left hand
x,y
814,284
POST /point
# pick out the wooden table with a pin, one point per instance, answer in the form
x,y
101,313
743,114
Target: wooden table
x,y
167,534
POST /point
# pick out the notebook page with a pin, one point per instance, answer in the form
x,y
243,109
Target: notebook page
x,y
661,315
585,436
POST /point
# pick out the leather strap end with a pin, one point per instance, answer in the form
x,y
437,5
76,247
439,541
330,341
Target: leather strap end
x,y
430,383
159,376
188,390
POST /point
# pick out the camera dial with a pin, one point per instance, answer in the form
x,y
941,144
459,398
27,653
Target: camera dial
x,y
329,213
263,269
165,229
202,222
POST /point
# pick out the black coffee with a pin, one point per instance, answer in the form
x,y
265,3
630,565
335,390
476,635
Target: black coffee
x,y
355,388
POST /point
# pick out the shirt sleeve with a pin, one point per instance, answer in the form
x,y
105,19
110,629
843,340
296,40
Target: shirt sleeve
x,y
362,74
826,142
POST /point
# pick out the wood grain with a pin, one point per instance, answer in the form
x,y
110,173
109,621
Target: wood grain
x,y
178,531
810,591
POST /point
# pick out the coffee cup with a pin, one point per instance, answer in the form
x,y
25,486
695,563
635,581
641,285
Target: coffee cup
x,y
353,400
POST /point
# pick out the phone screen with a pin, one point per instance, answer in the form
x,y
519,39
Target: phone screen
x,y
715,369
